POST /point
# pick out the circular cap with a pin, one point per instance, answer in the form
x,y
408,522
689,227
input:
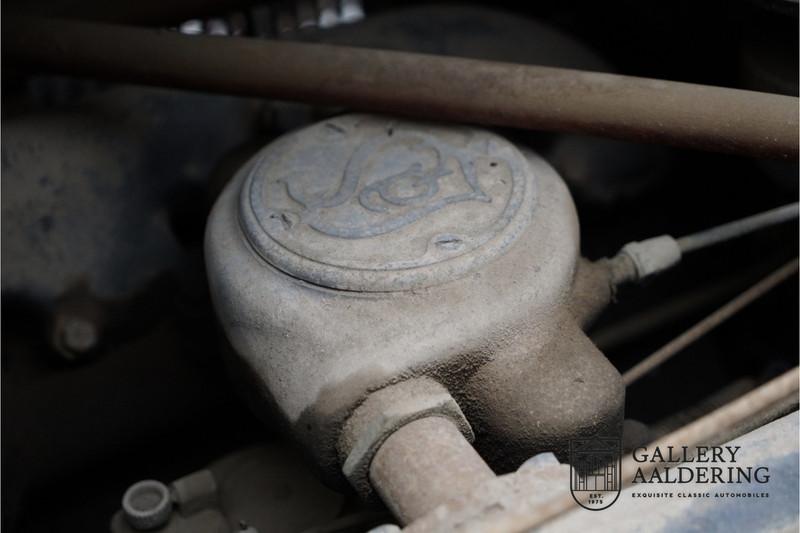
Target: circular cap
x,y
366,203
147,505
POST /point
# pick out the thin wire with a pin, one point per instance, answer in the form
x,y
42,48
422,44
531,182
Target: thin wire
x,y
737,228
710,322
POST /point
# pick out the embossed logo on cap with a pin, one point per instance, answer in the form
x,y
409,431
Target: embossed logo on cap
x,y
366,203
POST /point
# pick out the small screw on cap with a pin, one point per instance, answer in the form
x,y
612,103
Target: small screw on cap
x,y
147,505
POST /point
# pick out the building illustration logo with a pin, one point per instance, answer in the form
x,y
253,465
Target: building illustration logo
x,y
595,471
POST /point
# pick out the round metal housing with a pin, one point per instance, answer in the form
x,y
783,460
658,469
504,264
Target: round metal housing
x,y
365,250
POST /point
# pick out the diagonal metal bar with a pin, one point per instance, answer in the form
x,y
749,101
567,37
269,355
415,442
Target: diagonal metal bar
x,y
710,322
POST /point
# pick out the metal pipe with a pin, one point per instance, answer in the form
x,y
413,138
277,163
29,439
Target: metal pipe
x,y
709,427
428,86
423,464
710,322
697,433
737,228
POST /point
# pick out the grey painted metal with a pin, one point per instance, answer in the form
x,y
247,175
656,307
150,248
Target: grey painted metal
x,y
502,335
738,228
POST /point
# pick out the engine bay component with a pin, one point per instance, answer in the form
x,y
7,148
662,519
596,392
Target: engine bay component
x,y
260,488
147,505
522,96
711,321
364,251
424,463
657,254
414,305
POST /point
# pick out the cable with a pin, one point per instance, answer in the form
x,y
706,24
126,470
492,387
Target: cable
x,y
638,260
737,228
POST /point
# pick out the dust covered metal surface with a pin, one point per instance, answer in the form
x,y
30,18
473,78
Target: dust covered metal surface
x,y
373,204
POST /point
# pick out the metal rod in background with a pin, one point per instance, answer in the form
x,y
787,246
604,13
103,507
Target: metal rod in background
x,y
710,322
697,433
427,86
738,228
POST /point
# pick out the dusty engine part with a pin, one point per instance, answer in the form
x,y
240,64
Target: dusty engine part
x,y
364,250
425,463
147,505
502,504
522,96
266,488
87,193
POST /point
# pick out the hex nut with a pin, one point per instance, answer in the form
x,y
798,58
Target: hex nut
x,y
147,505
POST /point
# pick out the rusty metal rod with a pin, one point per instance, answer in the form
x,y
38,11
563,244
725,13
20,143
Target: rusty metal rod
x,y
428,86
424,464
699,432
708,428
710,322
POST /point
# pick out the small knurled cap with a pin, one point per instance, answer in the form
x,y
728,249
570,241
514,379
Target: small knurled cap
x,y
147,505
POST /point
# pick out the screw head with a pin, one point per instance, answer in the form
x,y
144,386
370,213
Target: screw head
x,y
78,334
